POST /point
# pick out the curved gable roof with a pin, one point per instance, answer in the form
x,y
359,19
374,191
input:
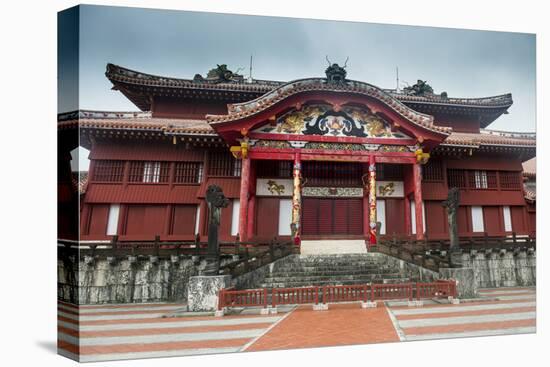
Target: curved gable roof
x,y
239,111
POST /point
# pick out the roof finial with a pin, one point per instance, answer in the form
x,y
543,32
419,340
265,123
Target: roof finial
x,y
335,73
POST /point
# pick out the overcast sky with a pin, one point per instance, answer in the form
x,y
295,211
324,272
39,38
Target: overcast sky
x,y
463,63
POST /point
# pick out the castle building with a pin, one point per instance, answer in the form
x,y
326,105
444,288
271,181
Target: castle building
x,y
314,158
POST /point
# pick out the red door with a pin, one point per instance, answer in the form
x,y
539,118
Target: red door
x,y
328,217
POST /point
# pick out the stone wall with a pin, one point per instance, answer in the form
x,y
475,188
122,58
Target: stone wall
x,y
502,268
126,280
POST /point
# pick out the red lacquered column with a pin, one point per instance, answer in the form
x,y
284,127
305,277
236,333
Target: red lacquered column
x,y
243,207
417,178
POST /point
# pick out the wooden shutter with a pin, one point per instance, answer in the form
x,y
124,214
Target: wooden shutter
x,y
183,219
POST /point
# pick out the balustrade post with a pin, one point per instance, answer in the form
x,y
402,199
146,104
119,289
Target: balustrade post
x,y
157,240
265,298
221,299
372,292
273,297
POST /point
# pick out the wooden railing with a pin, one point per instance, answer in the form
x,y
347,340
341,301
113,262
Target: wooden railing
x,y
433,254
116,248
293,296
335,293
251,254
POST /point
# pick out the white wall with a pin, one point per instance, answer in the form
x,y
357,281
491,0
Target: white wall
x,y
413,217
507,218
198,219
477,219
381,215
235,217
285,216
112,222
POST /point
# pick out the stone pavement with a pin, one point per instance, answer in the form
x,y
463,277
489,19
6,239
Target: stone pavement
x,y
504,311
342,324
129,331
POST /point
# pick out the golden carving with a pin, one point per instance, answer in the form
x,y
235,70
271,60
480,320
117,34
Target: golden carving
x,y
421,157
275,188
386,190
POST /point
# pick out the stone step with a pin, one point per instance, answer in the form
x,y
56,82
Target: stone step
x,y
297,284
333,272
346,269
363,277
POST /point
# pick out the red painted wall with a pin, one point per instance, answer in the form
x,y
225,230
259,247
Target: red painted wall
x,y
183,220
436,219
493,220
144,221
457,122
185,108
395,215
267,217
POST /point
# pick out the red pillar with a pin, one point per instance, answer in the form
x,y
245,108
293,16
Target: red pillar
x,y
295,227
417,179
407,216
372,201
251,217
243,208
366,223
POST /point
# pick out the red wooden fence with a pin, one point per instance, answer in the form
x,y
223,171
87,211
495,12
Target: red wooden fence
x,y
293,296
336,293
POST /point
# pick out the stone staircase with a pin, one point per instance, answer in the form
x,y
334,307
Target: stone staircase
x,y
339,269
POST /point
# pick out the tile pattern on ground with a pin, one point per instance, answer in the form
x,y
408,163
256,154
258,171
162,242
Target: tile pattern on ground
x,y
510,311
342,324
117,332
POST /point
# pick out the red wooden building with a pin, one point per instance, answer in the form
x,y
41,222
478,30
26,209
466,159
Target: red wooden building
x,y
313,158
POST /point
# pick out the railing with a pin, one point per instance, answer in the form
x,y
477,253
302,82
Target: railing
x,y
233,298
196,247
433,254
436,289
346,293
293,296
336,293
392,291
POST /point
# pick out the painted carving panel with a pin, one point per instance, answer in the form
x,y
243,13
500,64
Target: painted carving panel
x,y
333,191
389,189
274,187
328,120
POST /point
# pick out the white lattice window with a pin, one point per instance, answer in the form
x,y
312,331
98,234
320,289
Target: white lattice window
x,y
151,171
480,179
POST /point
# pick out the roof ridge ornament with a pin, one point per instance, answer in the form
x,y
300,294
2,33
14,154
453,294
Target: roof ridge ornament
x,y
335,73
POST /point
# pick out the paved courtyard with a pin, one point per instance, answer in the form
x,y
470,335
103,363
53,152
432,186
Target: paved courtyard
x,y
98,333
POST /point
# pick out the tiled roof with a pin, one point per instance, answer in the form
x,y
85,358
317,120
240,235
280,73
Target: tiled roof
x,y
80,181
134,121
530,193
238,111
491,137
503,100
530,168
119,74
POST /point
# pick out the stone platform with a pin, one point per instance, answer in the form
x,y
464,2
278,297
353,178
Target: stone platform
x,y
327,247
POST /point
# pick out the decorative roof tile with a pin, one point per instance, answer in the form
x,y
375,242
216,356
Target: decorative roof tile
x,y
134,121
241,110
491,137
